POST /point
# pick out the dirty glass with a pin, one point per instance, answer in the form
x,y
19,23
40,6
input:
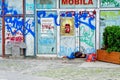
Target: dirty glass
x,y
46,4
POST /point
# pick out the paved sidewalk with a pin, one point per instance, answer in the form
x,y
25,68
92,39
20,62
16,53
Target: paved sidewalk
x,y
57,69
8,75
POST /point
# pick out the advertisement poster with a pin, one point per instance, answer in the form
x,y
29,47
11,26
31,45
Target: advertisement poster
x,y
67,26
47,25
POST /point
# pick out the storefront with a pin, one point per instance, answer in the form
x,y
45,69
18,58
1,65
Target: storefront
x,y
56,27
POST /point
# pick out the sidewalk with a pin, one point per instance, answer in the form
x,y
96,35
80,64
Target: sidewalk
x,y
57,69
8,75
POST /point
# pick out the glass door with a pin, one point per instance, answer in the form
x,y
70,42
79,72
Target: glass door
x,y
47,39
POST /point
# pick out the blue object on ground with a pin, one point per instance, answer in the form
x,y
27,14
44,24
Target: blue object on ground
x,y
72,56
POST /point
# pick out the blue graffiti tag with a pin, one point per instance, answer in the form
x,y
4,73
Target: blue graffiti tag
x,y
78,18
43,14
8,11
15,24
84,16
28,28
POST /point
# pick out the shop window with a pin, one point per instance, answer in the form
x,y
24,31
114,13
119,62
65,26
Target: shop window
x,y
110,3
12,7
46,4
108,18
29,6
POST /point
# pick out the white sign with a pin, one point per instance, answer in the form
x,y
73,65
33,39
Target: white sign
x,y
47,25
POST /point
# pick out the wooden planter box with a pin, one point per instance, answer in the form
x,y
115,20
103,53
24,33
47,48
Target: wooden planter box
x,y
113,57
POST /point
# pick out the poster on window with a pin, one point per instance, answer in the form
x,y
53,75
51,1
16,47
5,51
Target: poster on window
x,y
67,26
47,25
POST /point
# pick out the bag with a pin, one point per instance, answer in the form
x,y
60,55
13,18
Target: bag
x,y
91,57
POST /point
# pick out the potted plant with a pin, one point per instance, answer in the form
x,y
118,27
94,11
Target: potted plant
x,y
111,41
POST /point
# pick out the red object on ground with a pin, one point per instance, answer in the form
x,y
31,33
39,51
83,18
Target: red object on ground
x,y
91,57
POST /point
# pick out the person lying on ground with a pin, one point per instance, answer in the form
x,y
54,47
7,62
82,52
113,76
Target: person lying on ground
x,y
75,55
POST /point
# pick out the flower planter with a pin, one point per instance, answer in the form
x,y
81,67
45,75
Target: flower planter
x,y
112,57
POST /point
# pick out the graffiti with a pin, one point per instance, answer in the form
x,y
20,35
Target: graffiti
x,y
81,17
67,45
10,7
43,14
90,50
65,51
46,28
78,16
18,38
14,25
87,36
29,27
85,20
110,3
